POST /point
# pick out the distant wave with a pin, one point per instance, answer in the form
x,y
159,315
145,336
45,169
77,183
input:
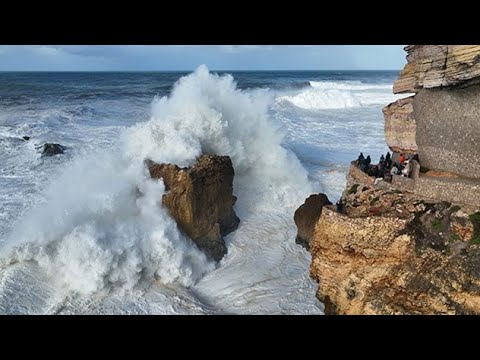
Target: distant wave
x,y
339,95
349,85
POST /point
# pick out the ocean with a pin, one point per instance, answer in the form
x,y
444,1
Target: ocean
x,y
74,238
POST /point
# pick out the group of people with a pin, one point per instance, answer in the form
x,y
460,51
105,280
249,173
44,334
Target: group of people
x,y
385,168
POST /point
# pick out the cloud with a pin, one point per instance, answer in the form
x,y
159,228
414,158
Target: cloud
x,y
188,57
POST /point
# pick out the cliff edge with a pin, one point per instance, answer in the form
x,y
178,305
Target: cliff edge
x,y
411,245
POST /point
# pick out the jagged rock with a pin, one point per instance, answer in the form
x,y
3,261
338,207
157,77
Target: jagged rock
x,y
425,67
200,198
307,216
432,66
50,149
419,263
400,126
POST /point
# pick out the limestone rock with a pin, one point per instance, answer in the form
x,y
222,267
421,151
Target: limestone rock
x,y
430,66
423,261
400,126
200,198
307,216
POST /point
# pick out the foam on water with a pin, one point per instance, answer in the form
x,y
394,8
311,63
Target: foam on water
x,y
339,95
76,237
91,233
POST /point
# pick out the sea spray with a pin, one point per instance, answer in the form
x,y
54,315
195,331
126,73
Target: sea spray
x,y
94,232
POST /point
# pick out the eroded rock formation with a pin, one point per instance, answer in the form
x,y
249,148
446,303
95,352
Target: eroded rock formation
x,y
392,253
400,126
412,246
200,198
307,216
441,122
431,66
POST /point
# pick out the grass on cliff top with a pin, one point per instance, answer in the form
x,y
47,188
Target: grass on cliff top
x,y
353,189
475,219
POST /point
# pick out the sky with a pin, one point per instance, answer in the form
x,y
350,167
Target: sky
x,y
188,57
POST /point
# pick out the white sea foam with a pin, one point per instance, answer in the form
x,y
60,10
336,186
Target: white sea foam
x,y
349,85
91,232
339,95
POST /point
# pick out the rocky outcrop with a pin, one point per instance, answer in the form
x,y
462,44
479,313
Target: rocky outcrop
x,y
200,198
430,66
441,122
392,253
307,216
412,246
50,149
400,126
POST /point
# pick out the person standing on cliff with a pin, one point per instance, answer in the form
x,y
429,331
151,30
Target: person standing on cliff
x,y
368,160
402,159
388,160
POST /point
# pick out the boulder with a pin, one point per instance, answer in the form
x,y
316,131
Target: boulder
x,y
307,216
50,149
200,198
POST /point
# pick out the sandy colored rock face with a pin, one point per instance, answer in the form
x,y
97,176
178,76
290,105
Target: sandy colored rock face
x,y
441,122
407,258
200,199
400,247
400,126
307,216
431,66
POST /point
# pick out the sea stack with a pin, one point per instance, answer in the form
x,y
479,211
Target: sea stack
x,y
200,198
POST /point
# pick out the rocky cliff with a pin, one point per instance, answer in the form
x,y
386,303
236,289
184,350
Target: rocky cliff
x,y
412,246
200,198
442,121
392,253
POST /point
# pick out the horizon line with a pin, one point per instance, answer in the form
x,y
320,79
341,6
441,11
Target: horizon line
x,y
191,70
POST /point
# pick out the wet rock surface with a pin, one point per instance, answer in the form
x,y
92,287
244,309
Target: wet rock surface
x,y
200,198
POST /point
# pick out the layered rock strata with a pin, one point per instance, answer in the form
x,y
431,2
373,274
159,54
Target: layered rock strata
x,y
441,123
